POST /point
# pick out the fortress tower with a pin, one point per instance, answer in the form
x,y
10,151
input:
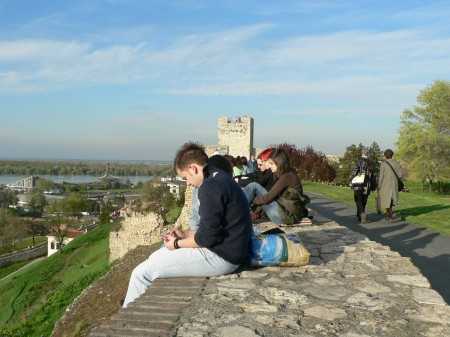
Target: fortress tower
x,y
237,134
235,137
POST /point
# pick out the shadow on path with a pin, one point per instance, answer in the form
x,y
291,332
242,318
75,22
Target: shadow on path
x,y
429,251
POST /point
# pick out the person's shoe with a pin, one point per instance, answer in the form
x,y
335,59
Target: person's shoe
x,y
394,219
121,302
363,217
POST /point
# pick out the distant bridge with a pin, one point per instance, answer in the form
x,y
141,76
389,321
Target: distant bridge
x,y
23,184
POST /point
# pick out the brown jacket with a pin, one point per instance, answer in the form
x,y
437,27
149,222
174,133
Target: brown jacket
x,y
285,181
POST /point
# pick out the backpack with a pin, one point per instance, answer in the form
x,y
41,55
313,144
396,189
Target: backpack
x,y
291,204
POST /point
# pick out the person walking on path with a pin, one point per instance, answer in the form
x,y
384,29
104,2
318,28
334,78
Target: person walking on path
x,y
388,184
361,192
222,241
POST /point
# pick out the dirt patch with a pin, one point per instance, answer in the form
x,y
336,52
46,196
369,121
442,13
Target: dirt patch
x,y
101,300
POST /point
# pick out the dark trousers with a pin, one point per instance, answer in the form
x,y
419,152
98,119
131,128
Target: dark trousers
x,y
361,201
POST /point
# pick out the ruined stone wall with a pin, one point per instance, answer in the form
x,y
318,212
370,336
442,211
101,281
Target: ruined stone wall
x,y
237,134
138,230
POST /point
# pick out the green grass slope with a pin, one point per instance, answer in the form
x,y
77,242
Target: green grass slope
x,y
36,297
427,209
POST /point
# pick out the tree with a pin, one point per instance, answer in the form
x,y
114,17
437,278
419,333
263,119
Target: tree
x,y
76,204
36,200
60,232
424,135
68,208
43,185
8,197
153,197
309,164
376,155
12,228
104,216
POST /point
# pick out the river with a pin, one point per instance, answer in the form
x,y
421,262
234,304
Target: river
x,y
75,179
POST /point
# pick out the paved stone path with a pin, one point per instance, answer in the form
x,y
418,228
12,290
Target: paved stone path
x,y
353,287
428,250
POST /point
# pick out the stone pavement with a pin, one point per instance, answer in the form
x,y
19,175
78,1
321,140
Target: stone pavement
x,y
353,287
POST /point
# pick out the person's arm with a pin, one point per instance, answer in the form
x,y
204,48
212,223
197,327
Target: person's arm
x,y
281,184
184,239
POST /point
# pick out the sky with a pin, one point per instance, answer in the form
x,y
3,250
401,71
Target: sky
x,y
135,79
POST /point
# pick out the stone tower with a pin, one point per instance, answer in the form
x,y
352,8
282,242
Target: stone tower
x,y
237,135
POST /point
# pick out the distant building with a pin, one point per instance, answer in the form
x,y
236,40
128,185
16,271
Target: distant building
x,y
108,177
333,157
175,187
53,243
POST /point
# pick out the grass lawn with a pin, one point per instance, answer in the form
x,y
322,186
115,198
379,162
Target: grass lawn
x,y
5,271
34,298
427,209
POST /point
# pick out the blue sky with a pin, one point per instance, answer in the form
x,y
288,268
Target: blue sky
x,y
134,79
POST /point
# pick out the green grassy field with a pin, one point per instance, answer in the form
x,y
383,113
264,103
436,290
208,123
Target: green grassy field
x,y
427,209
35,298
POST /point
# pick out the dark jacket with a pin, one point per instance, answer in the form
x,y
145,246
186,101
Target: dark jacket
x,y
265,178
364,165
225,221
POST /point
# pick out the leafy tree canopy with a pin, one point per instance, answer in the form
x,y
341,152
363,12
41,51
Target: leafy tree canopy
x,y
424,135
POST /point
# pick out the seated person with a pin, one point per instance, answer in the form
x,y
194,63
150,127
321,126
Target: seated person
x,y
264,176
279,209
238,168
222,241
220,162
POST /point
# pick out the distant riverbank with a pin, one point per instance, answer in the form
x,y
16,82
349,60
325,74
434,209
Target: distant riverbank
x,y
71,179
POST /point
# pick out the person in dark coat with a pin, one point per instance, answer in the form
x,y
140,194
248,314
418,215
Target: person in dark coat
x,y
361,192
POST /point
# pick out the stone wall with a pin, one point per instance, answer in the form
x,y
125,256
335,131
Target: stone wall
x,y
25,254
138,229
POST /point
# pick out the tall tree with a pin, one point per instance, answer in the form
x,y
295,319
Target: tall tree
x,y
424,135
376,155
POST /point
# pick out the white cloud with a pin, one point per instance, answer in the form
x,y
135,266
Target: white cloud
x,y
239,61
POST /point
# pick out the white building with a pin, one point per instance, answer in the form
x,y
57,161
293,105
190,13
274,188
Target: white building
x,y
53,242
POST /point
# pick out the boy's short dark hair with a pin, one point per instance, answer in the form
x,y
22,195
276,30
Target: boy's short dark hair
x,y
190,153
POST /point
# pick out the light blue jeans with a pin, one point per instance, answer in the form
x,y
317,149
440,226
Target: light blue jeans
x,y
181,262
194,217
253,190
